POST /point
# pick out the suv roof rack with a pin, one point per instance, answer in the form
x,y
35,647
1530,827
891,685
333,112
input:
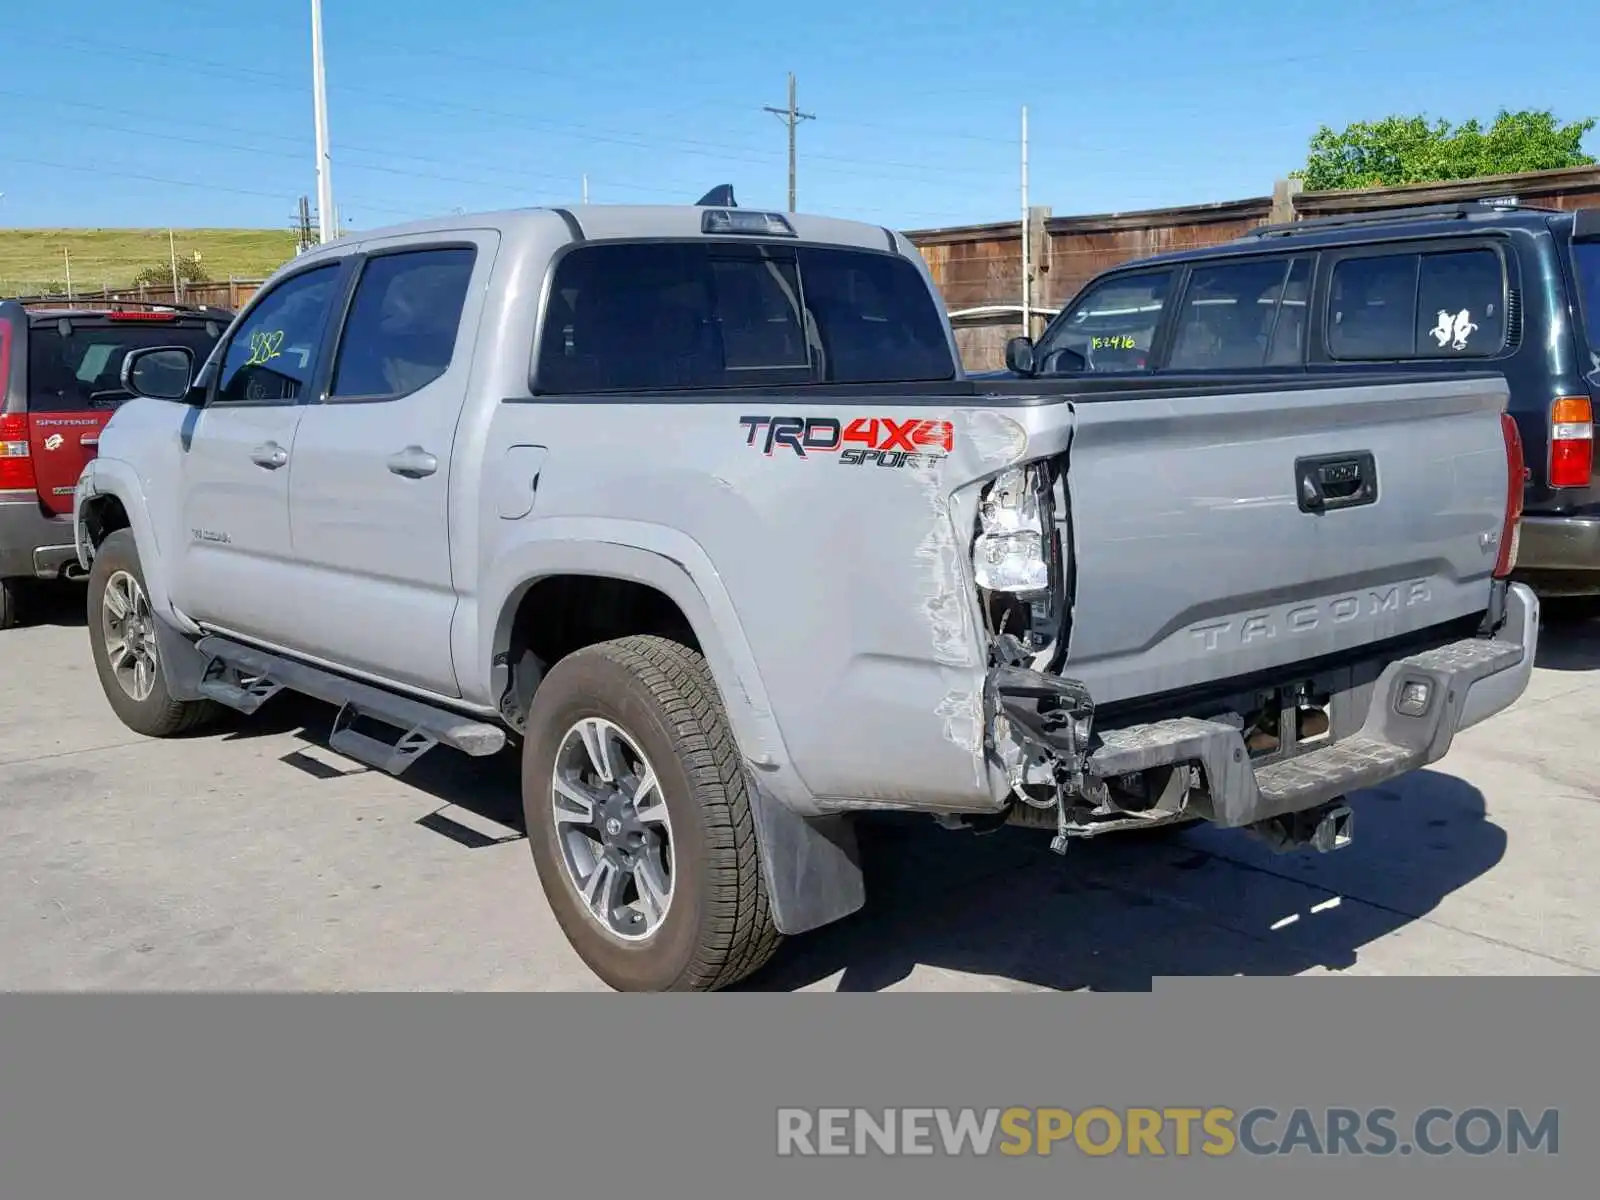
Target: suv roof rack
x,y
1383,216
97,305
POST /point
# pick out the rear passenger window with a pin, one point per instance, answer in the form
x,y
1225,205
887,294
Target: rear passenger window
x,y
705,315
1230,314
1448,304
1372,307
401,332
1461,304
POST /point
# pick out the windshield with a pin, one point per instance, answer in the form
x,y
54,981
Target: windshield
x,y
1586,266
1111,328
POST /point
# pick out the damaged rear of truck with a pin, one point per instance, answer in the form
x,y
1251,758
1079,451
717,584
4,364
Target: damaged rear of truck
x,y
1093,606
1086,605
1240,603
700,505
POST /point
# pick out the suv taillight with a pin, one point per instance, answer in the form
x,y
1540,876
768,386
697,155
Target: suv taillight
x,y
16,459
1516,468
1571,442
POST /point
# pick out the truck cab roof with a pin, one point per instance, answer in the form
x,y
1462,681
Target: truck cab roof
x,y
611,222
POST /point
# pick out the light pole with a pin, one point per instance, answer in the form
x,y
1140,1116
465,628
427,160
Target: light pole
x,y
319,88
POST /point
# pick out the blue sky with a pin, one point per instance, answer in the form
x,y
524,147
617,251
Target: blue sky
x,y
198,112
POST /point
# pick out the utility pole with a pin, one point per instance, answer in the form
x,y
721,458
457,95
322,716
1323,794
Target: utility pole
x,y
586,189
67,255
792,117
172,250
1027,231
319,89
1028,256
302,226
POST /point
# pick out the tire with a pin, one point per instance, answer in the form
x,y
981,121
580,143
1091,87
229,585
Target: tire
x,y
10,603
716,926
153,713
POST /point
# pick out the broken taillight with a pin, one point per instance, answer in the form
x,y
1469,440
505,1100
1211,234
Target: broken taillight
x,y
1010,554
1571,442
1515,470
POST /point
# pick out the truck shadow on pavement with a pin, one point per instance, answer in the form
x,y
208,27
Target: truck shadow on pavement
x,y
1569,640
1111,915
63,604
1115,915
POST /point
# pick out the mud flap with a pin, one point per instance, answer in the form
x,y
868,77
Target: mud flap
x,y
812,866
181,661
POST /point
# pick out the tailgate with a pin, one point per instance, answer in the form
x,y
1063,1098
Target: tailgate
x,y
61,445
1199,553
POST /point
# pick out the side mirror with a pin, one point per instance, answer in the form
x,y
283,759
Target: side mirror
x,y
1019,356
158,372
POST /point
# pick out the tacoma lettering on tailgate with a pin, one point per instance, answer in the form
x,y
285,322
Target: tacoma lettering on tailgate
x,y
1303,618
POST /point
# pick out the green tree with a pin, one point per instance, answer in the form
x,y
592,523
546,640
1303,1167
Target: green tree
x,y
1401,149
159,274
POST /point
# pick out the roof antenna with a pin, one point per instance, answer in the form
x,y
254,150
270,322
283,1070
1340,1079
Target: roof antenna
x,y
720,196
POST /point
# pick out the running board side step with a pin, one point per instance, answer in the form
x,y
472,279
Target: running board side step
x,y
244,678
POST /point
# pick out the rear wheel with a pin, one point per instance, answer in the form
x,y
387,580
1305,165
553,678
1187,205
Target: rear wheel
x,y
127,657
639,819
10,603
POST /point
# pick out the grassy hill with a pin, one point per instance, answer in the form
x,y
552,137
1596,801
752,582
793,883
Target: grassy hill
x,y
31,260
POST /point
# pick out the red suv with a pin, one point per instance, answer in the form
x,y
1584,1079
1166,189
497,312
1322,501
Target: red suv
x,y
60,381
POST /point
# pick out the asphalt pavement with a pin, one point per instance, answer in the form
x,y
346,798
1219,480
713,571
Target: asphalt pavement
x,y
257,859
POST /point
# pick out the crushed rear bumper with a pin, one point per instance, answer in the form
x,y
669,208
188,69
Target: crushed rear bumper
x,y
1464,682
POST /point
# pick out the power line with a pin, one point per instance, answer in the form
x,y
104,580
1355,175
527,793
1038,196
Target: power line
x,y
205,184
403,156
792,117
724,151
523,67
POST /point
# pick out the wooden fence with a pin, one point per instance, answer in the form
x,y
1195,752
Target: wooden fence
x,y
979,266
230,294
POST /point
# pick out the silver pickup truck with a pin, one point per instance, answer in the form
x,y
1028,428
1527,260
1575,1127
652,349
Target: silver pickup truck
x,y
697,504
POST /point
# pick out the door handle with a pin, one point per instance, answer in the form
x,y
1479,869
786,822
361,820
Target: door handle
x,y
413,463
271,456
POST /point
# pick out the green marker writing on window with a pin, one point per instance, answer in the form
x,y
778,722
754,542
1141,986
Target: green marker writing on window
x,y
265,345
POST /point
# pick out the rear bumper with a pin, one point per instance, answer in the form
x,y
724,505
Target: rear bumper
x,y
1467,682
1560,555
33,544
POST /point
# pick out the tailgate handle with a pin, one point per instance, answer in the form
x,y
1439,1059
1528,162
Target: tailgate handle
x,y
1333,481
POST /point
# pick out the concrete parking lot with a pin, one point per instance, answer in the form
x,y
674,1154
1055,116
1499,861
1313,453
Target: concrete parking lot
x,y
256,858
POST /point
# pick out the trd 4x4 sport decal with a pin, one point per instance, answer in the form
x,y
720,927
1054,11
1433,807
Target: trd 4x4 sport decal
x,y
865,441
